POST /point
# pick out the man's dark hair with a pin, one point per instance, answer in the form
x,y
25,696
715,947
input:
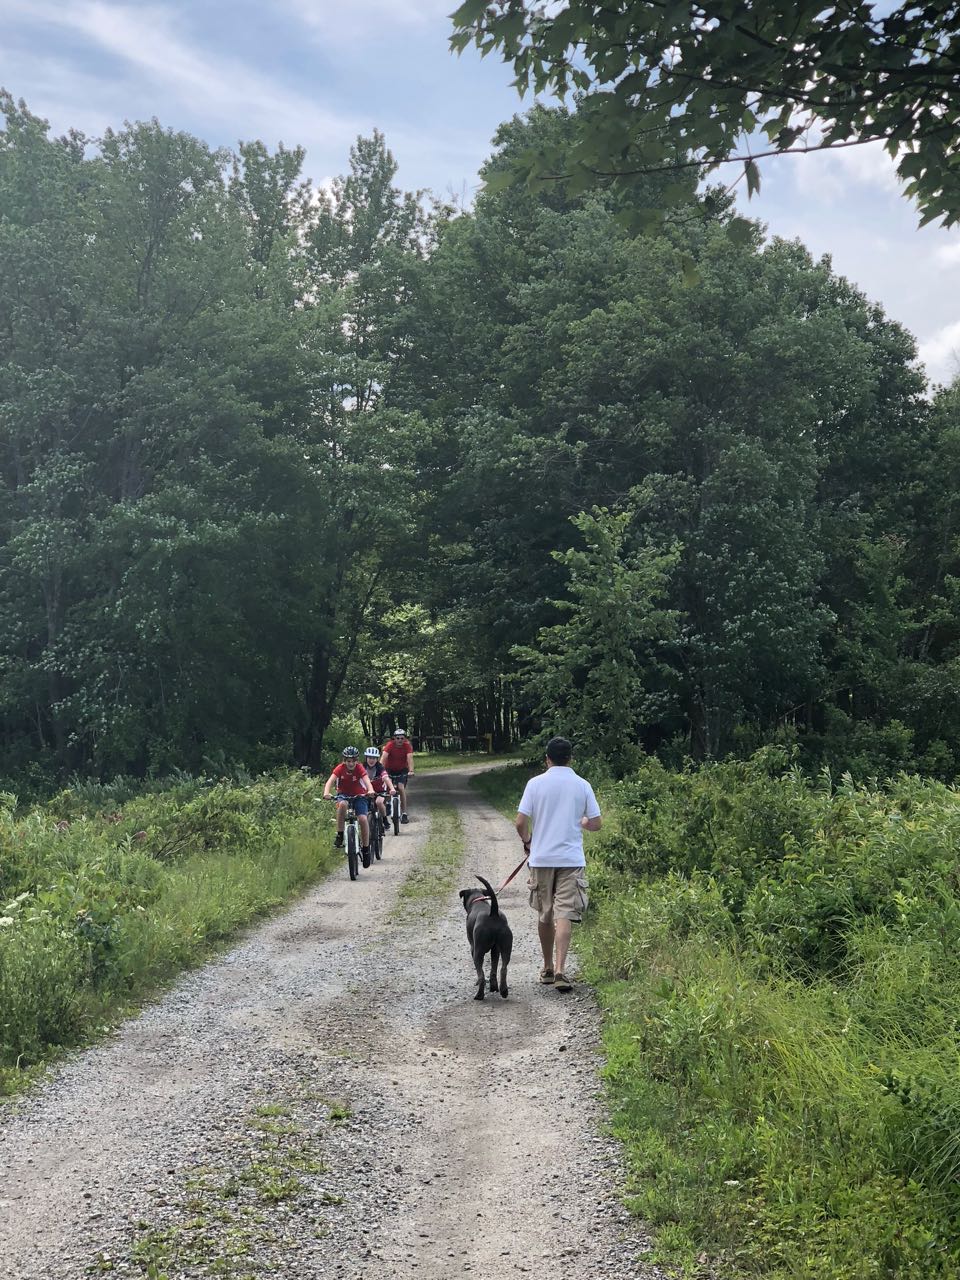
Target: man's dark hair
x,y
559,750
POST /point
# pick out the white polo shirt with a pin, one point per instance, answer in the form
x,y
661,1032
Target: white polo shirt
x,y
555,801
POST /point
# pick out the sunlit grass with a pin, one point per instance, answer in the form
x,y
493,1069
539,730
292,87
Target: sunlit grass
x,y
503,787
425,762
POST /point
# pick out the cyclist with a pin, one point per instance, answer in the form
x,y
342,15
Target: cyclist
x,y
397,759
352,784
379,780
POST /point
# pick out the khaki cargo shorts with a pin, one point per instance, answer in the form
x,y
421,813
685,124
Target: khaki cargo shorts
x,y
559,892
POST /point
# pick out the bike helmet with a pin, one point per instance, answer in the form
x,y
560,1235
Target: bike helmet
x,y
372,753
399,733
351,753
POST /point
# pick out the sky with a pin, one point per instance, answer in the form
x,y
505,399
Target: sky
x,y
318,72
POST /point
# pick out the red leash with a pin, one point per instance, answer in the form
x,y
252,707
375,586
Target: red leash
x,y
482,897
517,869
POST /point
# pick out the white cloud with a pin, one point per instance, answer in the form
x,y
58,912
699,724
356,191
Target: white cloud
x,y
829,175
59,92
336,20
869,165
147,39
849,205
941,353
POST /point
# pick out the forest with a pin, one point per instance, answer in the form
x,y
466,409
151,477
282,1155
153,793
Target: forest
x,y
285,465
275,455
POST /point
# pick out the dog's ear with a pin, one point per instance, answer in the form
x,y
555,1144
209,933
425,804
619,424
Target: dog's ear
x,y
464,894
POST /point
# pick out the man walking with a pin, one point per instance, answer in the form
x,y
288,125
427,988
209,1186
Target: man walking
x,y
561,806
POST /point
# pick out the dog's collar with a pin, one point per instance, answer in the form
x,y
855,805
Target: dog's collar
x,y
481,897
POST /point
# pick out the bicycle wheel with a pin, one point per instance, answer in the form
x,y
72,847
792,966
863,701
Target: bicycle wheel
x,y
395,815
352,851
376,835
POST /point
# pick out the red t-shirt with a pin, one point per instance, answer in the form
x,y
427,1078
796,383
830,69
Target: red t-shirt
x,y
378,778
398,755
350,784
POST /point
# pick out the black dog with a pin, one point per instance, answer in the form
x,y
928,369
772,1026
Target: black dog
x,y
487,930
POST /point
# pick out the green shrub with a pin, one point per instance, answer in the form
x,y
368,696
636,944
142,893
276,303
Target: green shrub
x,y
99,903
779,960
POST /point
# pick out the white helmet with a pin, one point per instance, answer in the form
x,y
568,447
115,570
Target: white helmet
x,y
371,753
399,733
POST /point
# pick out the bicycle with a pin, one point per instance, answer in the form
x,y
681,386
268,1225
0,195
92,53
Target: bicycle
x,y
376,832
351,840
395,809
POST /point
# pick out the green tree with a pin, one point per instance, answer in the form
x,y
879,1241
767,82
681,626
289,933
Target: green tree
x,y
593,675
364,252
144,478
667,87
752,416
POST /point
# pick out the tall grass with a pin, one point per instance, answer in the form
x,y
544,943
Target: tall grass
x,y
779,965
99,906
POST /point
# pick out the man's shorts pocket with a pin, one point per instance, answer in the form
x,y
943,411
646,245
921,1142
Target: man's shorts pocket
x,y
534,893
581,889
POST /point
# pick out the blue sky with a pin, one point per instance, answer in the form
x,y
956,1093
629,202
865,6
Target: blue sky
x,y
317,72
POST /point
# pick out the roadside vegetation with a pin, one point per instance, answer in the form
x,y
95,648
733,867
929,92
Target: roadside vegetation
x,y
105,894
503,787
778,960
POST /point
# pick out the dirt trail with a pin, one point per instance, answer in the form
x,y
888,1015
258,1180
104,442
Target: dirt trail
x,y
474,1142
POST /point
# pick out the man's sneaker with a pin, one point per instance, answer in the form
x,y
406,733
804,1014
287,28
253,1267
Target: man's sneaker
x,y
404,819
338,840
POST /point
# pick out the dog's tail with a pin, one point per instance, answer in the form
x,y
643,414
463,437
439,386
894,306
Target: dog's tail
x,y
494,905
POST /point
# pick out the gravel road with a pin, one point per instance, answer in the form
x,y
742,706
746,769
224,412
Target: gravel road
x,y
327,1099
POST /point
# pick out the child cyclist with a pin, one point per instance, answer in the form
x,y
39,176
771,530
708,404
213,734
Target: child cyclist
x,y
379,780
352,784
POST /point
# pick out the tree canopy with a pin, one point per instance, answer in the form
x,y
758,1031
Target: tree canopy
x,y
665,87
272,456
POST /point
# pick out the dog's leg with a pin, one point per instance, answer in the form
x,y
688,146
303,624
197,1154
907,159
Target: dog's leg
x,y
494,962
481,980
504,961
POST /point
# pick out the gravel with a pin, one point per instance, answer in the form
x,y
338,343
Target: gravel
x,y
328,1100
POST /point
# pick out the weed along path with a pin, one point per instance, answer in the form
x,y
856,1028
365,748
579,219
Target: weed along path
x,y
328,1100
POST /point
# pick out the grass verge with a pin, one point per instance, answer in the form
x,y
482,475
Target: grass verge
x,y
777,962
435,874
98,910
